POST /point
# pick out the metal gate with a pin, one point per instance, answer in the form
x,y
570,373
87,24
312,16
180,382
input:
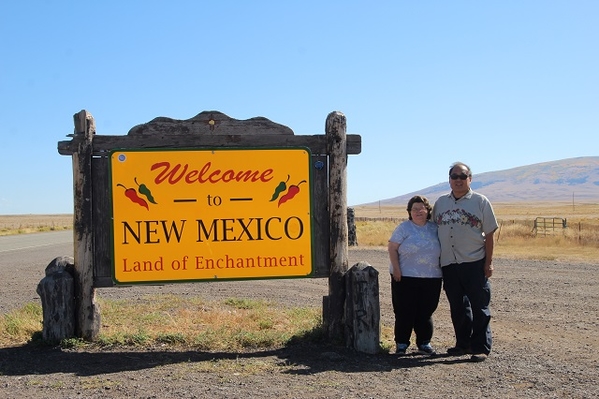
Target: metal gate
x,y
549,226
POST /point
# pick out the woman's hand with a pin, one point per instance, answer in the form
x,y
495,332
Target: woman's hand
x,y
392,248
396,274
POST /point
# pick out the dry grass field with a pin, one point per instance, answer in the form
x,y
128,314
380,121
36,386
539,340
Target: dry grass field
x,y
505,211
517,236
22,224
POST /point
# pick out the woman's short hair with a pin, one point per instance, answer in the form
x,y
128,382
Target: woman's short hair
x,y
420,199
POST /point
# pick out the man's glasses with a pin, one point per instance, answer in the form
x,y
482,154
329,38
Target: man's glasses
x,y
463,176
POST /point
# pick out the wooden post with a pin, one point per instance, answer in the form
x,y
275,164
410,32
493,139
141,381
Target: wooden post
x,y
87,313
362,309
333,305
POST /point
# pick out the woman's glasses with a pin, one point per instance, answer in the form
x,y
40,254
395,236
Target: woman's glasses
x,y
463,176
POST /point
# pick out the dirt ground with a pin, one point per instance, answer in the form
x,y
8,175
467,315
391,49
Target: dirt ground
x,y
546,343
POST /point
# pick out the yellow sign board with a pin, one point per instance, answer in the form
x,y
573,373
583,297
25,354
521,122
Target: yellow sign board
x,y
191,215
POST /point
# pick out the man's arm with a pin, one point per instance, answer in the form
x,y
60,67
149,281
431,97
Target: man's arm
x,y
489,244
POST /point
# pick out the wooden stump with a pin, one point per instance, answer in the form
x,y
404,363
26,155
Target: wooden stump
x,y
362,309
57,292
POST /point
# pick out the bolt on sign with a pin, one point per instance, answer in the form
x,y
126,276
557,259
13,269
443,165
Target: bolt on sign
x,y
193,215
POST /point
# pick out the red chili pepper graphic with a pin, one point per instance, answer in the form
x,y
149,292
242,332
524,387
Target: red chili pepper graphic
x,y
132,195
291,192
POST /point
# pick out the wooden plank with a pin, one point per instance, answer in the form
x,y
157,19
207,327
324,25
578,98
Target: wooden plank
x,y
102,223
317,144
210,123
320,219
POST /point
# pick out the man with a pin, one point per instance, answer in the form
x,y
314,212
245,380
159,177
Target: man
x,y
466,225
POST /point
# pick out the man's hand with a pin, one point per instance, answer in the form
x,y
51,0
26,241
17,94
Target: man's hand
x,y
488,269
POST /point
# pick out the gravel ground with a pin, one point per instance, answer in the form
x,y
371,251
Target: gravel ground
x,y
545,324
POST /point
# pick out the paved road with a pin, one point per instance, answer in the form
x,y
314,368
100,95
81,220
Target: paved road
x,y
25,242
23,260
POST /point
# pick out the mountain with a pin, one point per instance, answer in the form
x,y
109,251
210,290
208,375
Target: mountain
x,y
548,181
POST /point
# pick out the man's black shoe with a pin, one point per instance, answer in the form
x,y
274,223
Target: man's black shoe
x,y
479,357
457,351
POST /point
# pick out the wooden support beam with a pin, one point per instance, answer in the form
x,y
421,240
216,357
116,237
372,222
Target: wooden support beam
x,y
333,305
87,312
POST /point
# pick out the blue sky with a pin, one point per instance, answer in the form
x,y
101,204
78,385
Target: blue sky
x,y
495,84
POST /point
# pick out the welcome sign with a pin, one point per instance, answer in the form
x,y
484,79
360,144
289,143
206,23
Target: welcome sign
x,y
191,215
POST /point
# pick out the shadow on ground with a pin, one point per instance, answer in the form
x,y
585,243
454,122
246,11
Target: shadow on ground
x,y
297,358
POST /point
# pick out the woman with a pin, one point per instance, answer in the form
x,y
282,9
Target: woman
x,y
416,276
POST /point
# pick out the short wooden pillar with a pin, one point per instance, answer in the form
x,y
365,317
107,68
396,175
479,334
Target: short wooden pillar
x,y
362,308
57,292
